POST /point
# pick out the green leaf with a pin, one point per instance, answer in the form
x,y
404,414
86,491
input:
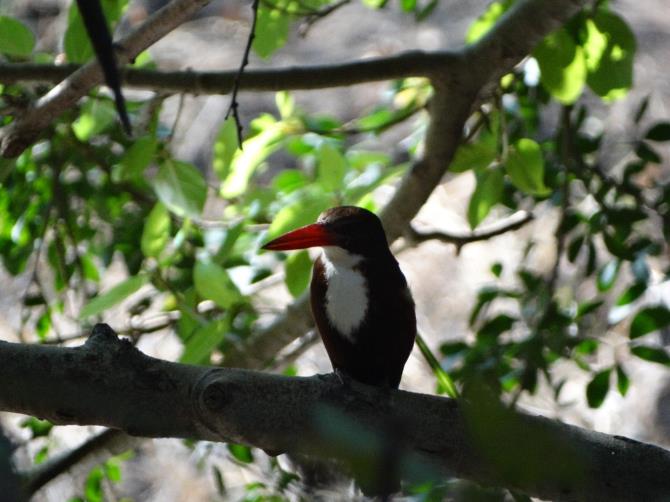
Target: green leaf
x,y
181,187
113,297
247,160
496,326
651,354
597,389
213,283
445,383
646,152
136,159
15,38
486,21
156,233
298,269
562,66
225,148
622,380
302,212
587,307
203,341
90,269
609,52
476,156
96,116
271,31
659,132
332,168
648,320
607,275
241,453
38,428
525,167
93,486
631,294
488,193
285,104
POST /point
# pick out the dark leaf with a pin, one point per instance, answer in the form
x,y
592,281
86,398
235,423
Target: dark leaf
x,y
649,319
597,389
659,132
652,354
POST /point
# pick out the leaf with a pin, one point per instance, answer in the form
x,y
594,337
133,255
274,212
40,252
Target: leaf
x,y
181,187
607,275
156,233
298,269
597,389
15,38
302,212
631,294
525,167
486,21
332,168
285,104
136,159
648,320
646,152
38,427
225,148
496,326
476,156
445,383
622,380
241,453
651,354
203,341
96,116
247,160
587,307
488,193
562,66
112,297
609,52
271,31
659,132
213,283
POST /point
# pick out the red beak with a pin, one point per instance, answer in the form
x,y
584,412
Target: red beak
x,y
304,237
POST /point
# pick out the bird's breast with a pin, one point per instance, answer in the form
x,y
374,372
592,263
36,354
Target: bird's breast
x,y
346,298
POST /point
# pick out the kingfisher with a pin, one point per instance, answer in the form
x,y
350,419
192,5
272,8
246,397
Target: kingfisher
x,y
360,300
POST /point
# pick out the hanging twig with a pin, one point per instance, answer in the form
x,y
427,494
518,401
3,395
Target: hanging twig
x,y
233,109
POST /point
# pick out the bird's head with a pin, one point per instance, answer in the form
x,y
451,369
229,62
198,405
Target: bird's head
x,y
351,228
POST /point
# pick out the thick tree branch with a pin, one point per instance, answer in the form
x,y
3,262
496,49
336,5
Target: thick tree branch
x,y
21,133
405,64
109,382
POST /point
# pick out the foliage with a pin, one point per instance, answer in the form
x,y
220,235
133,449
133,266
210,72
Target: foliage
x,y
87,196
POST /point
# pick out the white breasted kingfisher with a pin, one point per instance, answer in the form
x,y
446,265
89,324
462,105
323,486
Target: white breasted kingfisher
x,y
361,304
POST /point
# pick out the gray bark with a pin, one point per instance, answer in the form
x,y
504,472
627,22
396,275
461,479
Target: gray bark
x,y
109,382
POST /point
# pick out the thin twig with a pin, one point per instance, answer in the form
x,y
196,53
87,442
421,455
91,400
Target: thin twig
x,y
314,17
514,222
233,108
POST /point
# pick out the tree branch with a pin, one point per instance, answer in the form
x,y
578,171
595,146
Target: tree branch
x,y
405,64
514,222
21,133
109,382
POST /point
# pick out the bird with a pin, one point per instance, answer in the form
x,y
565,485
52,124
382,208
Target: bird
x,y
360,299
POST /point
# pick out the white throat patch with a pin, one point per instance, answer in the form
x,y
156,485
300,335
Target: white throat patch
x,y
347,293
